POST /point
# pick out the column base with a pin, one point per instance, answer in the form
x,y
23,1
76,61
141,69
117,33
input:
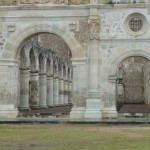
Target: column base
x,y
24,108
109,113
43,107
50,106
8,111
66,104
92,114
77,114
93,106
34,107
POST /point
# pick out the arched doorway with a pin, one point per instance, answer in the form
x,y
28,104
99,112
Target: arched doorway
x,y
45,73
133,85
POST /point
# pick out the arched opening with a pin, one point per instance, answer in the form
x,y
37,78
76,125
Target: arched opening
x,y
43,84
133,85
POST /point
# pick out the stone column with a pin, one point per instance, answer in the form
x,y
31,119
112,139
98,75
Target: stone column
x,y
24,89
112,97
50,102
70,86
34,89
66,85
56,84
61,86
42,80
94,101
42,91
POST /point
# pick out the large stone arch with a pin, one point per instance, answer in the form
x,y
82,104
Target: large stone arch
x,y
15,40
120,57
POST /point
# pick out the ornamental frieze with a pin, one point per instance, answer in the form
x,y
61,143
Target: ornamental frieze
x,y
42,1
78,2
67,2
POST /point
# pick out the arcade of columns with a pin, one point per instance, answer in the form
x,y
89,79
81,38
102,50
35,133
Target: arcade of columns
x,y
45,79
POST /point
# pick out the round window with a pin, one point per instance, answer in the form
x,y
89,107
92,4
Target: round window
x,y
136,24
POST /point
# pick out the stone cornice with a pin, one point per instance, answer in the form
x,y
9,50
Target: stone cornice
x,y
74,7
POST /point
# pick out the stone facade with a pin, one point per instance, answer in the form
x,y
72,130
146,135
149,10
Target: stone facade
x,y
96,36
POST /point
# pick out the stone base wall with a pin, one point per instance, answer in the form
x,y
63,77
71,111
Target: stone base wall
x,y
9,89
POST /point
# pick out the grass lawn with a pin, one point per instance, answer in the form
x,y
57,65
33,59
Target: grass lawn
x,y
74,137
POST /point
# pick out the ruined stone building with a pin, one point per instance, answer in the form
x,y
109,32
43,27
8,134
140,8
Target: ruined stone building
x,y
93,54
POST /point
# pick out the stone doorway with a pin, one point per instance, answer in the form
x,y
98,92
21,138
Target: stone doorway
x,y
133,81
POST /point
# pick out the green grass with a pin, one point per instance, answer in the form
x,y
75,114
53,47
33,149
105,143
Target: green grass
x,y
76,137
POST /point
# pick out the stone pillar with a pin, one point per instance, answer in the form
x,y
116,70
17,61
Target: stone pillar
x,y
61,86
112,111
50,83
24,89
34,89
69,92
66,85
66,92
42,80
24,76
50,101
70,86
94,101
56,84
42,91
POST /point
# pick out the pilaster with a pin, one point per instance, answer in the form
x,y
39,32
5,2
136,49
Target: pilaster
x,y
93,101
24,89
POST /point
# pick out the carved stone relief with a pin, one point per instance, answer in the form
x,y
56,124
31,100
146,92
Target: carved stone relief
x,y
94,27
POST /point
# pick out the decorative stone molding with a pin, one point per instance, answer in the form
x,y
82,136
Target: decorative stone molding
x,y
78,2
11,28
73,26
42,1
94,27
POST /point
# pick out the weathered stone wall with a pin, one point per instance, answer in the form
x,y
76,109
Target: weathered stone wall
x,y
83,34
133,79
56,45
147,83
